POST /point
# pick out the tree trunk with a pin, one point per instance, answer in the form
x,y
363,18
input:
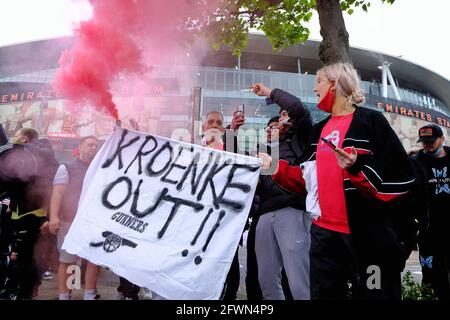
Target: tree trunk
x,y
334,46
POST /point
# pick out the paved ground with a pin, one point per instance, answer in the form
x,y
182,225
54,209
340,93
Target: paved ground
x,y
108,282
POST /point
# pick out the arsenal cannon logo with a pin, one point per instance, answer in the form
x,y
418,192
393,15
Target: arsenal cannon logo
x,y
112,242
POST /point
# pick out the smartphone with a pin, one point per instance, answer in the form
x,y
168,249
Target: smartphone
x,y
285,115
241,109
269,102
329,143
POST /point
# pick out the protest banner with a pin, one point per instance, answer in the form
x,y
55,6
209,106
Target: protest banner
x,y
165,215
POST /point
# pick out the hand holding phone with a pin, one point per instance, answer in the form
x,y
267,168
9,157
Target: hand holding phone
x,y
238,117
329,143
241,110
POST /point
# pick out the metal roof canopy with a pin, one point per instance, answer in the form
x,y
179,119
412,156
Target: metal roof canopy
x,y
259,55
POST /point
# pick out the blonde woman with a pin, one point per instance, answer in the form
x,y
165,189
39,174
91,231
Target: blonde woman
x,y
361,173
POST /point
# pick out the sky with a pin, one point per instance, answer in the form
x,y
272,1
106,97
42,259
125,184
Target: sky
x,y
416,30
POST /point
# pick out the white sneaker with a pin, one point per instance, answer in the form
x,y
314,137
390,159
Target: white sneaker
x,y
147,294
91,295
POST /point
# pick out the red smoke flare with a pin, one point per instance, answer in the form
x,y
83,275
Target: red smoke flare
x,y
101,53
120,36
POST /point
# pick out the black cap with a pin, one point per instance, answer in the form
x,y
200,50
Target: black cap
x,y
273,119
430,133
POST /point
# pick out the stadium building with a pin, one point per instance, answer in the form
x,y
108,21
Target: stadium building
x,y
408,94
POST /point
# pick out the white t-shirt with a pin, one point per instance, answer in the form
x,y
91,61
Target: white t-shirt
x,y
61,176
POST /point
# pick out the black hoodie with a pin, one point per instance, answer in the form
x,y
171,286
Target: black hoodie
x,y
291,148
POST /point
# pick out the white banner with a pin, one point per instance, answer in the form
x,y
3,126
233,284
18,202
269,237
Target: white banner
x,y
163,214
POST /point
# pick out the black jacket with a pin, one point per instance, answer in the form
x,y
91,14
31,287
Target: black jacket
x,y
26,173
429,235
374,187
69,205
291,148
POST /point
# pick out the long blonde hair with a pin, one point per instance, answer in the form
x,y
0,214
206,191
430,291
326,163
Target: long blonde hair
x,y
346,79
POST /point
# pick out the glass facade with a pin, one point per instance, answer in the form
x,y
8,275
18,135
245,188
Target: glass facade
x,y
224,89
234,84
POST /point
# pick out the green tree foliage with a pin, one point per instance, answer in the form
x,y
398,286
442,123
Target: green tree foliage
x,y
282,21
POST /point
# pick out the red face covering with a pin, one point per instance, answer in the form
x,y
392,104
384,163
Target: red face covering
x,y
326,103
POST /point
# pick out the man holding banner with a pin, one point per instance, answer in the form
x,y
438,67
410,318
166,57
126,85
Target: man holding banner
x,y
63,207
215,137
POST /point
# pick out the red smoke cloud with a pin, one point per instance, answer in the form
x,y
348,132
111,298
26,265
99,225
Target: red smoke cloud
x,y
123,36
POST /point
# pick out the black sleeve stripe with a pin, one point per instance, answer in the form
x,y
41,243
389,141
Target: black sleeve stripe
x,y
357,140
358,144
376,174
406,182
312,157
385,187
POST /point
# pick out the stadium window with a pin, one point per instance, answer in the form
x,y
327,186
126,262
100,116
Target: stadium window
x,y
230,81
210,85
220,80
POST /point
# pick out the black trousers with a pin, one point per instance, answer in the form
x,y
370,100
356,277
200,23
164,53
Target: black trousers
x,y
23,274
337,274
5,241
128,289
231,286
46,253
251,279
438,276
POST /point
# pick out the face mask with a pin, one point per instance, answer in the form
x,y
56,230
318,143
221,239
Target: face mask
x,y
326,103
436,153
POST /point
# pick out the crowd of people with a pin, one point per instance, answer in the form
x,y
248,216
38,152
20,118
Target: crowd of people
x,y
336,219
